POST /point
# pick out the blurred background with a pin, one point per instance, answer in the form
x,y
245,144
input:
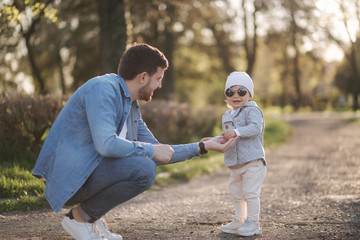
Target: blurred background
x,y
300,53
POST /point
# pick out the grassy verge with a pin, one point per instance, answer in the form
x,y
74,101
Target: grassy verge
x,y
20,191
352,120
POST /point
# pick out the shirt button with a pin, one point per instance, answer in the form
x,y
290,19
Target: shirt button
x,y
226,127
135,121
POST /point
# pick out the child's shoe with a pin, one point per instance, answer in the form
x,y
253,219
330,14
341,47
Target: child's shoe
x,y
240,215
232,227
249,228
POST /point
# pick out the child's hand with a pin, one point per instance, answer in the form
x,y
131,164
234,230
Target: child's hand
x,y
228,134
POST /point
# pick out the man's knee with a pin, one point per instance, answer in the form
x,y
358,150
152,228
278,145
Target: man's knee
x,y
146,173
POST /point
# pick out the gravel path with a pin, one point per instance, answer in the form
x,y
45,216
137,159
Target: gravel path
x,y
311,191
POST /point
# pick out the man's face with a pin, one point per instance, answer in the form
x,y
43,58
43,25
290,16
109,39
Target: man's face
x,y
153,82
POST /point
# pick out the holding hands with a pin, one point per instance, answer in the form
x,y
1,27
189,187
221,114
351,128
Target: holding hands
x,y
227,134
219,145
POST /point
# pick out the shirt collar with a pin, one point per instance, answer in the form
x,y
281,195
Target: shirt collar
x,y
123,86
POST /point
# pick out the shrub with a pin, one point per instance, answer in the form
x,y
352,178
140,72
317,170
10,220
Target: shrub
x,y
175,123
24,122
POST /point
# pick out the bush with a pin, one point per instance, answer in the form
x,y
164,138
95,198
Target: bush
x,y
176,123
276,132
24,122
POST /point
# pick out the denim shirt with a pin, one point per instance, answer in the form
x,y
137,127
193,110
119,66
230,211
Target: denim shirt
x,y
87,130
249,121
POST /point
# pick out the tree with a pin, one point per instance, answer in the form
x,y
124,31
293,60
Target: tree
x,y
347,78
112,33
350,11
14,16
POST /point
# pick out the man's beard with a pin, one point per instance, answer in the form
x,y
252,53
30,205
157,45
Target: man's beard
x,y
145,93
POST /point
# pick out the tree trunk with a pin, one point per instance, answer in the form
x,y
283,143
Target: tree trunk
x,y
168,42
250,49
35,69
112,33
223,48
356,78
61,72
355,101
296,70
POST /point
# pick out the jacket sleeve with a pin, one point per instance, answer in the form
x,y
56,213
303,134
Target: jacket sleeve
x,y
254,123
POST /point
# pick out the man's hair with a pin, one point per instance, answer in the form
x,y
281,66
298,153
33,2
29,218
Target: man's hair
x,y
141,58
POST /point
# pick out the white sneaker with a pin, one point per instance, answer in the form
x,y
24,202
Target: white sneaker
x,y
100,224
250,228
231,227
80,230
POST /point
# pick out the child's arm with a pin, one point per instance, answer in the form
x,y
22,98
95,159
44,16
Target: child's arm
x,y
254,126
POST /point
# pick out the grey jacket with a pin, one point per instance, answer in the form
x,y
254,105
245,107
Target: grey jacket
x,y
249,121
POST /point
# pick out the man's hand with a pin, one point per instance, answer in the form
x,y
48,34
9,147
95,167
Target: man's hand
x,y
218,145
163,152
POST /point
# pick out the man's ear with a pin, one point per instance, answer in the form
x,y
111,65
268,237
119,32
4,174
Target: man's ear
x,y
141,77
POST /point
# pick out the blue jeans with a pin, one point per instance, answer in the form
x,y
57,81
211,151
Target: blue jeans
x,y
113,182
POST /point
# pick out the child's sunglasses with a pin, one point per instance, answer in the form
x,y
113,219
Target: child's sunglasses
x,y
241,91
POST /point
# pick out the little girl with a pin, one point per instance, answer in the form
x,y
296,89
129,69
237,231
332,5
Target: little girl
x,y
246,159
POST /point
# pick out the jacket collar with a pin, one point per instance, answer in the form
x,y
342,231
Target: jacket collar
x,y
248,104
123,86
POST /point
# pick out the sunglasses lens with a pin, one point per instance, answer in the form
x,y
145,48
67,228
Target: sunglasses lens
x,y
229,92
242,91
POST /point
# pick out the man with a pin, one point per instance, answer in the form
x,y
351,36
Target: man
x,y
99,153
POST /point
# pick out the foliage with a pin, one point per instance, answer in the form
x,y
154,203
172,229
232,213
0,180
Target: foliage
x,y
16,182
174,123
352,120
19,190
19,11
24,122
276,132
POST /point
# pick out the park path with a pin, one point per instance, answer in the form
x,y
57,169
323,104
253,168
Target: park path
x,y
311,191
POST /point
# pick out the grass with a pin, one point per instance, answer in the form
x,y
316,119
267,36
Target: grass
x,y
276,132
20,191
352,120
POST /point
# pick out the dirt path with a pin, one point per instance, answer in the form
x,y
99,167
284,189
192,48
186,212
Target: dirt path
x,y
311,191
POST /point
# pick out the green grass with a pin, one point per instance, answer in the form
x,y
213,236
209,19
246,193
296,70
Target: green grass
x,y
20,191
352,120
185,171
276,132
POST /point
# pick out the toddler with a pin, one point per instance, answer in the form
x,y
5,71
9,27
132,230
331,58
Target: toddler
x,y
246,159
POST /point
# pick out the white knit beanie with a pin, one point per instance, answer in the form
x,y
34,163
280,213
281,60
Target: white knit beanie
x,y
240,78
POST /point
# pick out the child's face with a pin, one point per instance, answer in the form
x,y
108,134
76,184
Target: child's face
x,y
236,101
